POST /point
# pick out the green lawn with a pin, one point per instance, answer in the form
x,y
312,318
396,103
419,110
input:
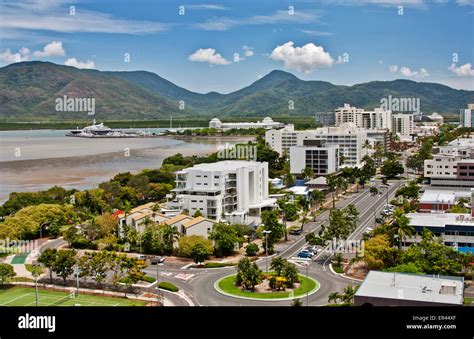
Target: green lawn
x,y
25,296
227,285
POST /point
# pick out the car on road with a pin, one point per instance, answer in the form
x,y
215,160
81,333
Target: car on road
x,y
296,231
157,260
368,230
305,254
141,257
387,212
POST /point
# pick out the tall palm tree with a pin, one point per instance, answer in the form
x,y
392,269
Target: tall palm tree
x,y
308,173
348,296
331,182
401,227
169,235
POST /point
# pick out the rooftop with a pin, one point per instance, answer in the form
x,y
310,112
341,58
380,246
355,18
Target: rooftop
x,y
415,287
228,165
439,219
444,196
178,218
196,221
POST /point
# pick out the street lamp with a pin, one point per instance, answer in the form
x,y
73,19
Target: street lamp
x,y
35,274
77,271
266,232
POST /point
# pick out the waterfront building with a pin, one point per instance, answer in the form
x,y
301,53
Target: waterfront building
x,y
266,123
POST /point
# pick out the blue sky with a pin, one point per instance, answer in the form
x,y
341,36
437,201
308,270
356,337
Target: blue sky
x,y
340,41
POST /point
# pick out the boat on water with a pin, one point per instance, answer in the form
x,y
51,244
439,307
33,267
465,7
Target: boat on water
x,y
101,131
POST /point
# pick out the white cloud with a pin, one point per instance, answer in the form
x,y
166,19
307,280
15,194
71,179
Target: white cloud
x,y
79,64
53,49
462,71
52,15
9,57
415,3
305,59
279,17
208,55
316,33
248,51
407,72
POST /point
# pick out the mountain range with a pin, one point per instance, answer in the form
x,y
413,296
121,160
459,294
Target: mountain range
x,y
30,89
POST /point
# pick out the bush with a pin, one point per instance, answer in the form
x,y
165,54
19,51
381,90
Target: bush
x,y
337,268
187,243
83,243
251,250
148,279
168,286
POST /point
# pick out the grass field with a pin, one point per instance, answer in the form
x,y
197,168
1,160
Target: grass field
x,y
25,296
227,284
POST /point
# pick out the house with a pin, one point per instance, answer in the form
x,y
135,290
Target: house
x,y
319,183
198,226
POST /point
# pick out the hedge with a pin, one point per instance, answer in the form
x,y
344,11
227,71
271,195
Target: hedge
x,y
168,286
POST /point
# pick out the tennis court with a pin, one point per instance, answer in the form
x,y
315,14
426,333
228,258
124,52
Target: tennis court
x,y
24,296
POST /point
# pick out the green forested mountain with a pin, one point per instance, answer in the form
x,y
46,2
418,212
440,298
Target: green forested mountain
x,y
29,91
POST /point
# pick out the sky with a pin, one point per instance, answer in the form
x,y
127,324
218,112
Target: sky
x,y
223,46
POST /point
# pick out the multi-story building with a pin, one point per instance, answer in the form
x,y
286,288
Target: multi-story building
x,y
466,118
322,159
451,165
233,190
325,118
266,123
348,137
370,120
402,123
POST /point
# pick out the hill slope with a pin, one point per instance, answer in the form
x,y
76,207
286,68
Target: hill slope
x,y
29,90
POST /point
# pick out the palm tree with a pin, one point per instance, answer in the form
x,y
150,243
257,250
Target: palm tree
x,y
331,181
334,297
308,173
278,264
348,296
289,180
169,235
401,227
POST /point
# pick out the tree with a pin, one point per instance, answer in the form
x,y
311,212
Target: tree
x,y
99,264
332,183
71,235
374,191
278,264
296,302
409,191
107,224
170,235
401,227
271,223
225,239
64,263
248,274
197,214
188,242
290,273
392,168
318,197
251,250
200,252
348,295
334,297
48,258
289,180
6,272
308,173
378,254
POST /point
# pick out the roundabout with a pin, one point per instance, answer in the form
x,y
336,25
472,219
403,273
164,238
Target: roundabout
x,y
226,286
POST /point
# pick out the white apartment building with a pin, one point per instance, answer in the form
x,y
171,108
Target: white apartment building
x,y
466,116
370,120
402,123
451,165
320,158
348,137
232,190
266,123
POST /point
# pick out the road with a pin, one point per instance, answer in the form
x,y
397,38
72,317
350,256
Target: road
x,y
200,288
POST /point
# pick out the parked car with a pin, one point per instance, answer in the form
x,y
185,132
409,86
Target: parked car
x,y
141,257
305,254
296,231
379,220
312,249
157,260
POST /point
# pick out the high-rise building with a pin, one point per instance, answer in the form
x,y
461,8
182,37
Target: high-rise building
x,y
325,118
402,123
321,158
466,118
233,190
370,120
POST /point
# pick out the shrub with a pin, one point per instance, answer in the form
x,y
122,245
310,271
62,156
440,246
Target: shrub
x,y
187,243
251,250
148,279
168,286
